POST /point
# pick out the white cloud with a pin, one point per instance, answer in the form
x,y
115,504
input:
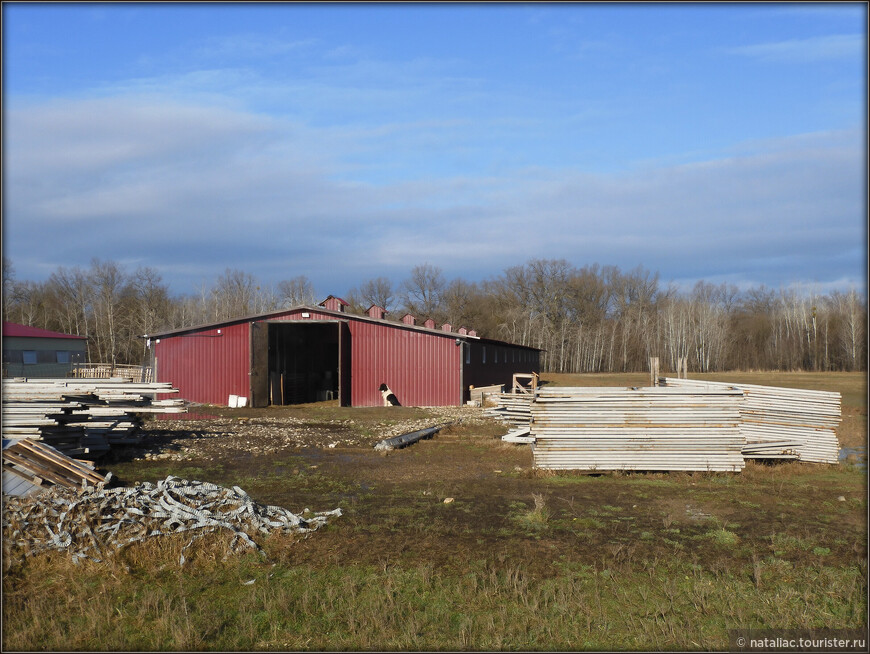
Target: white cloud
x,y
818,48
188,189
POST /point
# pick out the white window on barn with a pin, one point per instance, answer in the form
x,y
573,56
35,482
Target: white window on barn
x,y
62,356
495,355
483,350
468,353
28,357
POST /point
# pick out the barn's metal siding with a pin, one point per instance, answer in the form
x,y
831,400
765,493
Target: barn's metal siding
x,y
493,362
296,314
206,366
422,369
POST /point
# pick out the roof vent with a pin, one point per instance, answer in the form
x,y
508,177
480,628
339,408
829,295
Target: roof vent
x,y
333,303
377,312
462,330
408,319
472,332
446,327
429,323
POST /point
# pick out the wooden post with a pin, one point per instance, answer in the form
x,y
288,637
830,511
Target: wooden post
x,y
653,371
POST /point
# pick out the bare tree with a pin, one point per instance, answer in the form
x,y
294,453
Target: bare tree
x,y
853,327
234,295
8,283
422,291
591,319
461,302
676,327
296,291
152,303
709,323
27,303
378,292
73,296
109,283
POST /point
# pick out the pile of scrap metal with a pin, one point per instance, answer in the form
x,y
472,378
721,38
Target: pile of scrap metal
x,y
83,418
95,521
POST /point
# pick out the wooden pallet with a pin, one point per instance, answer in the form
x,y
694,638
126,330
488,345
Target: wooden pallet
x,y
41,465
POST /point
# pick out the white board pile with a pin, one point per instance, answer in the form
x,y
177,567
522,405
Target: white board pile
x,y
512,408
82,418
782,423
598,429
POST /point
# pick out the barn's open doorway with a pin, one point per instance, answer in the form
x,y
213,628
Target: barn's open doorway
x,y
295,362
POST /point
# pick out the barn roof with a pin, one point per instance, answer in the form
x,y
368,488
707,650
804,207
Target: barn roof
x,y
341,315
25,331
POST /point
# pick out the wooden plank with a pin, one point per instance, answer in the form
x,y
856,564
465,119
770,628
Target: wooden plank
x,y
46,452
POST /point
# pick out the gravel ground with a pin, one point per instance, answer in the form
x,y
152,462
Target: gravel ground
x,y
220,437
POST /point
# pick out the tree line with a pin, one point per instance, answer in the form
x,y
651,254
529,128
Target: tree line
x,y
589,319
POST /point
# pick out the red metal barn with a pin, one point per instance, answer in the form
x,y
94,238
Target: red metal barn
x,y
308,354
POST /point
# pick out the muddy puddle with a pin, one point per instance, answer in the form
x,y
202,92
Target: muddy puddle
x,y
855,455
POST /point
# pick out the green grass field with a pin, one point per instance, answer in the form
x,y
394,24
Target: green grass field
x,y
521,559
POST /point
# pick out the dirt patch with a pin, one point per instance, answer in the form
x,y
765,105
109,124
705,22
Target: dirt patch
x,y
465,491
255,432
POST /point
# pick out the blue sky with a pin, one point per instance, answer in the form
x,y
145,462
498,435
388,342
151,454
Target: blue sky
x,y
724,142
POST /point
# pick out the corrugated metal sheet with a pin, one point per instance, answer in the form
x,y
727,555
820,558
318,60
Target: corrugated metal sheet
x,y
637,429
783,422
206,366
15,481
422,369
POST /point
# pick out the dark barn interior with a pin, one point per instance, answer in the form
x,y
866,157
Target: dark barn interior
x,y
303,362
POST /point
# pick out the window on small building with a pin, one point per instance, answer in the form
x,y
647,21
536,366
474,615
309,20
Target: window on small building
x,y
468,353
28,357
483,350
62,356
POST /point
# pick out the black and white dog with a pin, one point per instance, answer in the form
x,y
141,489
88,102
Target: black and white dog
x,y
390,398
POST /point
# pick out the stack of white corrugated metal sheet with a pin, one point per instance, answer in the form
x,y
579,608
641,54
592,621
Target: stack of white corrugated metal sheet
x,y
783,422
513,408
650,428
82,417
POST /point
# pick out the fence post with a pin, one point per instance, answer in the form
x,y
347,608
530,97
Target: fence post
x,y
653,371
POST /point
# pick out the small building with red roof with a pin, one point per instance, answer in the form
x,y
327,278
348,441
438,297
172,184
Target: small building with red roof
x,y
35,352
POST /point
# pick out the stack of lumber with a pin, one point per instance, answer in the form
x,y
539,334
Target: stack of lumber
x,y
484,394
82,417
512,408
598,429
782,423
30,466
